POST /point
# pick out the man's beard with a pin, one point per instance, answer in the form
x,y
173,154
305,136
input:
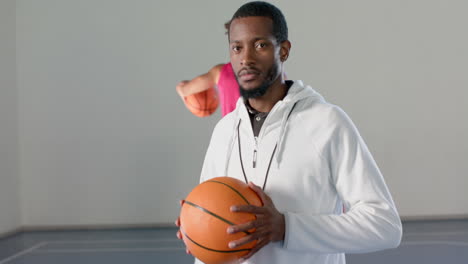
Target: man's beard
x,y
262,88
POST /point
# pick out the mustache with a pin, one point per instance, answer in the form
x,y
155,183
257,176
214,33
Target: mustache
x,y
248,70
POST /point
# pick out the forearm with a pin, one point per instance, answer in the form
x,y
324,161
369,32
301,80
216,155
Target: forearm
x,y
365,228
196,85
200,83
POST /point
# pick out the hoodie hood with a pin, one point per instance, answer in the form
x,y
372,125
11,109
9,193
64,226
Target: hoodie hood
x,y
297,92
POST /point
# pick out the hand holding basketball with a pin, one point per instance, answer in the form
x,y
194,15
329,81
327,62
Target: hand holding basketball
x,y
269,225
177,223
203,103
206,215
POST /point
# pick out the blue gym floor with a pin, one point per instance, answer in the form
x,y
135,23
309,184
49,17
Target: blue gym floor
x,y
428,242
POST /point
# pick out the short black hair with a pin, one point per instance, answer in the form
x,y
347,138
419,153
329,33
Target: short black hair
x,y
263,9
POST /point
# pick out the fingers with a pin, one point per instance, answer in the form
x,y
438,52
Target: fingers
x,y
177,221
248,209
267,221
180,88
179,234
180,91
257,235
258,246
241,242
254,186
182,83
246,227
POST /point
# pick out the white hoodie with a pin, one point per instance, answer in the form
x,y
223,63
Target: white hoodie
x,y
320,165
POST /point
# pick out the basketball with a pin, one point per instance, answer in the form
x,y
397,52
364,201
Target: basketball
x,y
203,103
206,215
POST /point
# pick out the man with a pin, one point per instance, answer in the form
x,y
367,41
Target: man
x,y
302,155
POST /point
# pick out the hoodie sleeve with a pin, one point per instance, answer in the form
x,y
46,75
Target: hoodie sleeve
x,y
371,221
216,154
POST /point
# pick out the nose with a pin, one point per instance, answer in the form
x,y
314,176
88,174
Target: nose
x,y
248,57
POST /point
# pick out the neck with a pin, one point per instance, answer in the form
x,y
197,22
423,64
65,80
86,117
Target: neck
x,y
277,91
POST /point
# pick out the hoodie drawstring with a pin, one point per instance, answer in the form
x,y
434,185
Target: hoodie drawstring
x,y
281,135
279,142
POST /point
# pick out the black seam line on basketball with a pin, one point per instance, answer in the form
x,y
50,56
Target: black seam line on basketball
x,y
213,214
204,101
196,107
203,109
205,94
230,187
215,250
198,101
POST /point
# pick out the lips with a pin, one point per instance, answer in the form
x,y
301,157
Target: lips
x,y
247,75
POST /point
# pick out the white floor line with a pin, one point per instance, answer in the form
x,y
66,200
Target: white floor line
x,y
112,241
22,253
425,243
54,251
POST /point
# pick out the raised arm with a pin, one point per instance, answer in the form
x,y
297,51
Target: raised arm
x,y
200,83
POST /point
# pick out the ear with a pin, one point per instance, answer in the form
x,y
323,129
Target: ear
x,y
285,47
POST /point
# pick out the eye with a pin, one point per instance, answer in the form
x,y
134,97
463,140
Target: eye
x,y
235,48
261,45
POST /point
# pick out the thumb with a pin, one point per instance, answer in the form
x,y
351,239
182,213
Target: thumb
x,y
263,196
253,185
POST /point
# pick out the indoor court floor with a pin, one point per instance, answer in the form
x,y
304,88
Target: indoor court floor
x,y
428,242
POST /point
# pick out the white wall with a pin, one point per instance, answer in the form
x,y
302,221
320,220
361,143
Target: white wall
x,y
9,185
399,69
104,139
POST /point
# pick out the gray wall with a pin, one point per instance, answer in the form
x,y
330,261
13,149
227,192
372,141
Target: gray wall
x,y
399,69
104,139
9,177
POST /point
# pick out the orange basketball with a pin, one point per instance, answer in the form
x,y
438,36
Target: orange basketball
x,y
203,103
206,215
